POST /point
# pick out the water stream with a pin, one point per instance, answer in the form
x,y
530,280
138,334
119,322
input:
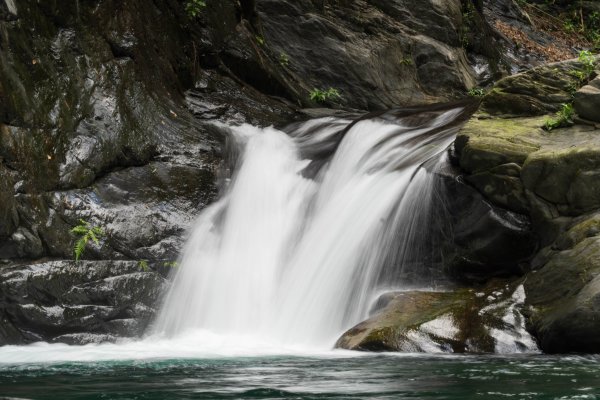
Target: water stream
x,y
292,252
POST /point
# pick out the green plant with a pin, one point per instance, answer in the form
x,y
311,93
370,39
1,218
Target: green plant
x,y
468,22
284,59
581,76
564,117
171,264
321,96
193,8
406,61
260,40
143,264
588,60
86,232
476,92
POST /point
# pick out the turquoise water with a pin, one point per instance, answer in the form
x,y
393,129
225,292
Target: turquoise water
x,y
366,377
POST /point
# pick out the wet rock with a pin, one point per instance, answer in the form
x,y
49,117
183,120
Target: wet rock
x,y
325,47
462,321
69,302
8,10
481,232
564,297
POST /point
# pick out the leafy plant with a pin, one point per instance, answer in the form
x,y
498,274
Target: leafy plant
x,y
260,40
171,264
321,96
476,92
588,60
563,118
284,59
86,232
406,61
193,8
143,264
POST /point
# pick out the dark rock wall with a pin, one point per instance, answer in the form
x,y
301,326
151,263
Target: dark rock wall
x,y
106,110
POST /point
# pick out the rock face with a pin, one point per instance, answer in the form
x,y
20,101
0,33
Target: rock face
x,y
462,321
551,177
361,47
107,111
76,303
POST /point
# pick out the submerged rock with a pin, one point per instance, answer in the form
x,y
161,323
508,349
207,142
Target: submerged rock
x,y
76,302
461,321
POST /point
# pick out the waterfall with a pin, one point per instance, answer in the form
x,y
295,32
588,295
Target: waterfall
x,y
295,249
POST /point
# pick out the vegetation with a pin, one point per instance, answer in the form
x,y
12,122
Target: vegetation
x,y
588,60
571,17
193,8
563,118
86,232
468,23
284,59
171,264
406,61
143,264
322,96
476,92
260,40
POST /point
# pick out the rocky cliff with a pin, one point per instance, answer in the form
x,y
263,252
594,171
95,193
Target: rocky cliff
x,y
107,111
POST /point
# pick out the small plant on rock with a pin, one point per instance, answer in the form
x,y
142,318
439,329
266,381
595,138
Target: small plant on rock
x,y
284,60
476,92
321,96
193,8
588,60
86,232
171,264
563,118
143,264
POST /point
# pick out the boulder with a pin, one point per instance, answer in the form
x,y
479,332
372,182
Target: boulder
x,y
460,321
480,232
587,101
564,295
76,302
539,91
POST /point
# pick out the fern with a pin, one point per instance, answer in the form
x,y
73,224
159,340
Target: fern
x,y
143,264
86,232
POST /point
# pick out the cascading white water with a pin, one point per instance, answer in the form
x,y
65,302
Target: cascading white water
x,y
291,259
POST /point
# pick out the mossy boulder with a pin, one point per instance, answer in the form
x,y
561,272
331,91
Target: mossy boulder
x,y
460,321
539,91
518,165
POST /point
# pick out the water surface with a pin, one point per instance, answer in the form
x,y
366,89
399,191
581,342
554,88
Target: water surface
x,y
337,376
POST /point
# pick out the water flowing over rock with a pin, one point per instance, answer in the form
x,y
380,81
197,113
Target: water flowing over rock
x,y
297,259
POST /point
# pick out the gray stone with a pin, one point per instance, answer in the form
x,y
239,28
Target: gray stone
x,y
83,302
587,102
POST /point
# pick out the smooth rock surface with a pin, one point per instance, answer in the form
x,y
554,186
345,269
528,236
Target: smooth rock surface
x,y
461,321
